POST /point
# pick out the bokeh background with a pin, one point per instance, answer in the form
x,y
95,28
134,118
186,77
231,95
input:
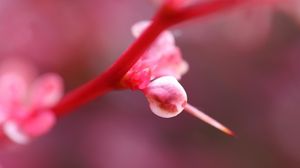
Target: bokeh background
x,y
244,71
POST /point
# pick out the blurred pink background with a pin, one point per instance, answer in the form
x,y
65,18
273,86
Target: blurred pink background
x,y
244,71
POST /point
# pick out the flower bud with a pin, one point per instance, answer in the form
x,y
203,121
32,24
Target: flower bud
x,y
163,58
167,98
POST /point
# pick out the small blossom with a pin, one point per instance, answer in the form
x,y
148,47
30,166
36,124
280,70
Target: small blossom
x,y
156,74
24,107
163,58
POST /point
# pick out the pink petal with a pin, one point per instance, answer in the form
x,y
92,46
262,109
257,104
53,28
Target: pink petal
x,y
12,89
165,38
20,113
39,124
171,64
46,91
137,78
12,130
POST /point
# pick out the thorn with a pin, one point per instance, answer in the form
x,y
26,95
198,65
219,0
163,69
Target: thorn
x,y
204,117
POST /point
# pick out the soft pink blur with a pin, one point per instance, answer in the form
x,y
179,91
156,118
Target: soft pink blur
x,y
25,101
244,71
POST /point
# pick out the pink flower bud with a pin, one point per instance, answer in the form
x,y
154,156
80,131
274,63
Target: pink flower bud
x,y
163,58
167,98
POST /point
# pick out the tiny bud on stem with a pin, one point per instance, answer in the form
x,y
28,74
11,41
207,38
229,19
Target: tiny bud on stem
x,y
167,98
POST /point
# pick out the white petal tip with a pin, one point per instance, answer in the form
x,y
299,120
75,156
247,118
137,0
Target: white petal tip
x,y
13,132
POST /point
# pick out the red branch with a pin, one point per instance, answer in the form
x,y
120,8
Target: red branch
x,y
199,9
111,78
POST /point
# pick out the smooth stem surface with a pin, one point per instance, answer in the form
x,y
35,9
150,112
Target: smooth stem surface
x,y
203,9
177,15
